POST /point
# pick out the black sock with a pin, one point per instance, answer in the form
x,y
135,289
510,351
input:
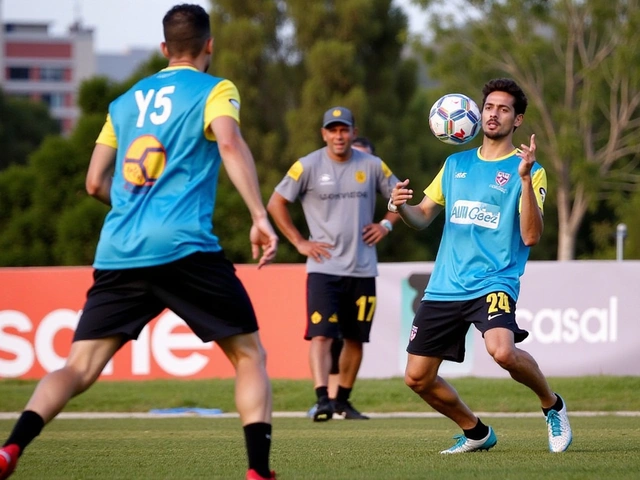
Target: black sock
x,y
478,432
343,394
322,392
28,427
556,406
257,437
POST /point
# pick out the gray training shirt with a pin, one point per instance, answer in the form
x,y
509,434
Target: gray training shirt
x,y
338,200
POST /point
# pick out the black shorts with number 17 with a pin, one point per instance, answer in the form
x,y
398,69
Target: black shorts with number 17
x,y
439,328
340,307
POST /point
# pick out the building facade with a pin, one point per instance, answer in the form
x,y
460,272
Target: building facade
x,y
36,65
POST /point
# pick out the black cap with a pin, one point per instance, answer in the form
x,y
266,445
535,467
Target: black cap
x,y
338,115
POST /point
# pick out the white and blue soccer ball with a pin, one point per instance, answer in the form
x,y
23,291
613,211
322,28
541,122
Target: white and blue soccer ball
x,y
455,119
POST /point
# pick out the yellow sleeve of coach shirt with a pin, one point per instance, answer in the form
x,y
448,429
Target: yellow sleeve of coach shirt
x,y
224,100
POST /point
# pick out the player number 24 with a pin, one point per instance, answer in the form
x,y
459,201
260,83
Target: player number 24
x,y
498,301
364,314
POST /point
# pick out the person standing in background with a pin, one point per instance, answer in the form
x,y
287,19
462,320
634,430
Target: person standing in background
x,y
337,187
364,145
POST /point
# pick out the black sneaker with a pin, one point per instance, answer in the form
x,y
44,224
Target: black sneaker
x,y
347,411
324,410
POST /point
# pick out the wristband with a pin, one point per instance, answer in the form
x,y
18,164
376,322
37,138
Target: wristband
x,y
386,224
391,207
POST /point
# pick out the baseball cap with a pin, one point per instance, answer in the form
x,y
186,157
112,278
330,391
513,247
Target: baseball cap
x,y
338,115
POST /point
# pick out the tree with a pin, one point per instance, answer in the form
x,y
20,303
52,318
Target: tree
x,y
579,64
23,126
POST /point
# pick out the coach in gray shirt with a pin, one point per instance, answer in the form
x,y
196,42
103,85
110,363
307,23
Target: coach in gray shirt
x,y
337,187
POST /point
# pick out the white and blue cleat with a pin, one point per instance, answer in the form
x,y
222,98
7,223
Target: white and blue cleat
x,y
465,445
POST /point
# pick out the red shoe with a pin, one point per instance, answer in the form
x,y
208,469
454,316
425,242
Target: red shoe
x,y
8,460
253,475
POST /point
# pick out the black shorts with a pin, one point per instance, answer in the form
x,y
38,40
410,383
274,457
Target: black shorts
x,y
202,289
340,307
439,328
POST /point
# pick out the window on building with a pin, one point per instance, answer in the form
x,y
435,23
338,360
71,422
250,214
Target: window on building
x,y
19,73
52,74
53,100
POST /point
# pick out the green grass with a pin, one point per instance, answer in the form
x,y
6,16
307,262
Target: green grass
x,y
399,448
599,393
193,448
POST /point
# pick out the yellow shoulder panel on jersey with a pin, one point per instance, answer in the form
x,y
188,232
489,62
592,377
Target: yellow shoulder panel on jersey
x,y
224,100
108,134
295,171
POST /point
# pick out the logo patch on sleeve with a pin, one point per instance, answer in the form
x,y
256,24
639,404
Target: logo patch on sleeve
x,y
295,171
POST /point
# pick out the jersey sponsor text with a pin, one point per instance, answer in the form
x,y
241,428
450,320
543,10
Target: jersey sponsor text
x,y
465,212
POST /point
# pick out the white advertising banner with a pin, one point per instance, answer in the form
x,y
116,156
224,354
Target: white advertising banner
x,y
582,317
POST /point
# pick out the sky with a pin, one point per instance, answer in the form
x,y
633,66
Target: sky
x,y
120,25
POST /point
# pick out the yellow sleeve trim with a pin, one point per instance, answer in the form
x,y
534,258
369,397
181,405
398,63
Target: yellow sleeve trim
x,y
224,100
295,171
108,134
539,184
434,191
386,170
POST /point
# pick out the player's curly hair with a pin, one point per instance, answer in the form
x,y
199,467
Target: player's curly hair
x,y
186,29
509,86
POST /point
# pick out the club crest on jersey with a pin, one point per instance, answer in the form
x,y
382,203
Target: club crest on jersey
x,y
414,332
502,178
361,177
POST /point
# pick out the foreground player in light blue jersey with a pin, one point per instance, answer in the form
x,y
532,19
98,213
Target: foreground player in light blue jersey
x,y
493,201
156,163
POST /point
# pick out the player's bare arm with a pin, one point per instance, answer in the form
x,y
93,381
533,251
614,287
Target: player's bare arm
x,y
278,207
240,166
531,221
100,173
418,216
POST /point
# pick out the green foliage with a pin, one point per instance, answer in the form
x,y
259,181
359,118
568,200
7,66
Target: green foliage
x,y
23,125
578,62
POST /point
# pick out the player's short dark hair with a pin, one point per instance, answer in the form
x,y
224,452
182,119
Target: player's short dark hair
x,y
186,29
364,142
509,86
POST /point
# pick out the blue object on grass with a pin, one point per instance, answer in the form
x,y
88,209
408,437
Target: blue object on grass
x,y
186,411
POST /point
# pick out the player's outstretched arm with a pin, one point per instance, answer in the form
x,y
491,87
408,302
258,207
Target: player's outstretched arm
x,y
241,168
100,173
418,216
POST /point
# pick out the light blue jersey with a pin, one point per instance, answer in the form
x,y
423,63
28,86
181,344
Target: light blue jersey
x,y
481,250
166,171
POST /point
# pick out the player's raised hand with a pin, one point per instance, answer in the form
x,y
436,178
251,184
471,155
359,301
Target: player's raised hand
x,y
528,155
262,236
401,194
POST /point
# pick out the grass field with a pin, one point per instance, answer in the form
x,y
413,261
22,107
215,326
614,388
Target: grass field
x,y
605,446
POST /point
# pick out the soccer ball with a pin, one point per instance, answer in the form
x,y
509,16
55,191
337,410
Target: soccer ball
x,y
455,119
